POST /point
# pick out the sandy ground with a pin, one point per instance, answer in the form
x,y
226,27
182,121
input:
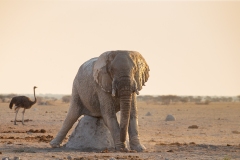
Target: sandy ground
x,y
217,135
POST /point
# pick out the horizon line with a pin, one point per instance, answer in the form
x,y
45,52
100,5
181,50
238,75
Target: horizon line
x,y
137,95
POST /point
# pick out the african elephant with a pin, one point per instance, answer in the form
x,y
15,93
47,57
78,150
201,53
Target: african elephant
x,y
102,87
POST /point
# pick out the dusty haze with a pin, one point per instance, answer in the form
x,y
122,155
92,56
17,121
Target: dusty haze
x,y
192,48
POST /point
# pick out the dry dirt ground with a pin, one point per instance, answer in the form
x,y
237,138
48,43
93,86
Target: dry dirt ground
x,y
215,133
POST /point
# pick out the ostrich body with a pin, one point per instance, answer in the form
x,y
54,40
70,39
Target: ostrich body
x,y
22,102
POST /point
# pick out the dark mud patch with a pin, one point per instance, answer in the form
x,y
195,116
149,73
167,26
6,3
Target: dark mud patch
x,y
25,120
37,131
28,131
41,138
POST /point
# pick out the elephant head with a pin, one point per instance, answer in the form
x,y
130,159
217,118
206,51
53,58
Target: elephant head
x,y
121,73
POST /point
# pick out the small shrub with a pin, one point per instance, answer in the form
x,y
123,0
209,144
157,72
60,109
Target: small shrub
x,y
203,103
66,99
227,158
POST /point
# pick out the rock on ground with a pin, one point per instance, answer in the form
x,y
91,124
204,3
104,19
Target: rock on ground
x,y
170,118
148,114
90,134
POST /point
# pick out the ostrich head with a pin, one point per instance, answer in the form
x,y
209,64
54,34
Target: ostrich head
x,y
34,87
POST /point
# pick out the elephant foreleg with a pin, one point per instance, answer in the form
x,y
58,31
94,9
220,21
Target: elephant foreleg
x,y
71,118
113,126
133,128
110,119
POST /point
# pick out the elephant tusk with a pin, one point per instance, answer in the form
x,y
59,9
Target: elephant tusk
x,y
113,92
137,92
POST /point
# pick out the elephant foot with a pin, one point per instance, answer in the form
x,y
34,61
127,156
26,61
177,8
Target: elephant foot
x,y
124,150
54,144
137,147
121,147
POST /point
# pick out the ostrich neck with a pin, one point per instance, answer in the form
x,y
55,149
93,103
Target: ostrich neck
x,y
35,100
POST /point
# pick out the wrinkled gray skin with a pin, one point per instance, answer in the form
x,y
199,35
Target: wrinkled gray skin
x,y
102,87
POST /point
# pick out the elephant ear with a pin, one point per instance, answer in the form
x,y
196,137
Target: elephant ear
x,y
142,70
100,72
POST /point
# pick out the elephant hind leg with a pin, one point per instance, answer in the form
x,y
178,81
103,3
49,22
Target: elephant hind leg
x,y
73,114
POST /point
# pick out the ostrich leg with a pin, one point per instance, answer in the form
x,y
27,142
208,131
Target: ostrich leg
x,y
16,116
23,116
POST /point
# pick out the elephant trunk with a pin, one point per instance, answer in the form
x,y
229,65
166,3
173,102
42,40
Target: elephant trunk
x,y
124,87
125,107
132,86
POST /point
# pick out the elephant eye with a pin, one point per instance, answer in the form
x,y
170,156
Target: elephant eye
x,y
110,70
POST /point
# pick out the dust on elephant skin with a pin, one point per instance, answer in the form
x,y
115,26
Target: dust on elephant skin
x,y
102,87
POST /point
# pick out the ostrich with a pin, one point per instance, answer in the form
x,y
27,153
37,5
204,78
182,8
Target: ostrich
x,y
22,102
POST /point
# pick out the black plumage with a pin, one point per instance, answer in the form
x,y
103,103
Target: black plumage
x,y
22,102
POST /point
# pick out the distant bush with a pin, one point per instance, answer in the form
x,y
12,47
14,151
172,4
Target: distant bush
x,y
7,98
173,99
163,99
46,100
238,98
203,103
41,100
66,99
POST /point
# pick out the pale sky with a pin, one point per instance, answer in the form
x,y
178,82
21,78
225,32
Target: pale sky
x,y
192,47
